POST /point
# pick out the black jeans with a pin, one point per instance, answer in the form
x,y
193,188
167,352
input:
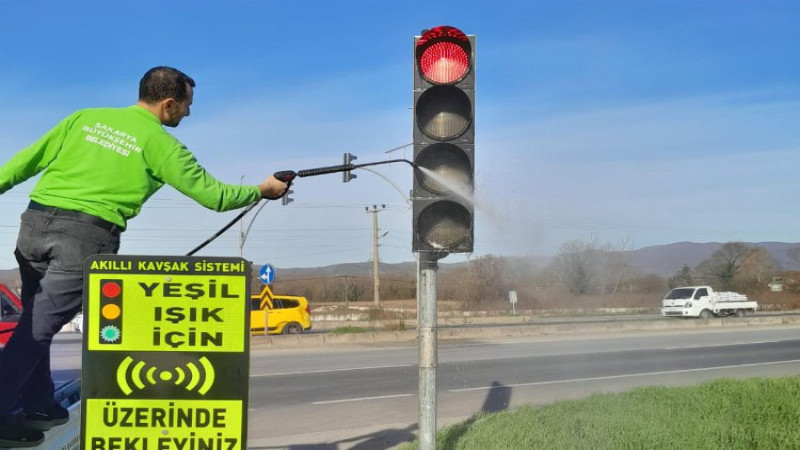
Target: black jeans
x,y
51,249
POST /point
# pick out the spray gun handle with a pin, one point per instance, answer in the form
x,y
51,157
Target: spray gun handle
x,y
285,175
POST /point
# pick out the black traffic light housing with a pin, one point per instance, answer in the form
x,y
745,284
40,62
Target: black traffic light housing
x,y
348,160
444,141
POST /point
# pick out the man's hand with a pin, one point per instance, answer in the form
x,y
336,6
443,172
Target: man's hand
x,y
273,188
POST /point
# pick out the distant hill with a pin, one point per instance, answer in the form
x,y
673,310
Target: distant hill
x,y
666,260
662,260
347,269
361,269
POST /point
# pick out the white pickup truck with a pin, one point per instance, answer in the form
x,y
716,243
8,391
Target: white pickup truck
x,y
703,301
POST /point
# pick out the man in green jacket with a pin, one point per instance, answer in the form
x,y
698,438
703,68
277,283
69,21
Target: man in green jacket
x,y
98,167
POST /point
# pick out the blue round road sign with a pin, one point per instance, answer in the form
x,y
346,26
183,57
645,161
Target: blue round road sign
x,y
267,274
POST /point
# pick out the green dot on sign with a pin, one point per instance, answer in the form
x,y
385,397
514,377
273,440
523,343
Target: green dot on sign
x,y
166,375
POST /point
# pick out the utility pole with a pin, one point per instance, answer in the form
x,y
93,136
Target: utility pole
x,y
376,280
346,296
346,301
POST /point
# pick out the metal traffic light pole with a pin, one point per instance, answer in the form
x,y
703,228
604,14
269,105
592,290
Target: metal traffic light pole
x,y
427,268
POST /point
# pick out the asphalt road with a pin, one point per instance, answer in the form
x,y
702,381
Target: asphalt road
x,y
366,398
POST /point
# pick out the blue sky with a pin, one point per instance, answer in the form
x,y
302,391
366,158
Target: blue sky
x,y
632,123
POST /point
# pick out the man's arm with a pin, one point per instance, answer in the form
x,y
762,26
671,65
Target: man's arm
x,y
182,171
34,158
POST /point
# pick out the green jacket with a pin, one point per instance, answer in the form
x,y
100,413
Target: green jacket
x,y
108,161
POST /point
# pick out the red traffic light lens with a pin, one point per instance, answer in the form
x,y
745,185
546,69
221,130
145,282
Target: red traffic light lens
x,y
444,63
443,55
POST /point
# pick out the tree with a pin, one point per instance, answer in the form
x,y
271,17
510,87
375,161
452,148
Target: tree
x,y
588,268
756,269
482,280
575,261
648,284
615,269
682,277
723,266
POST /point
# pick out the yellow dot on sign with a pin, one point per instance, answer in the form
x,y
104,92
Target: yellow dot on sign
x,y
110,312
165,375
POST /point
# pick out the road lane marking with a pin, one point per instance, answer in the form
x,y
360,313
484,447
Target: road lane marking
x,y
346,369
486,343
346,400
722,345
628,375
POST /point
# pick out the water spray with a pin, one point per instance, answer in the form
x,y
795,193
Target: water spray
x,y
287,176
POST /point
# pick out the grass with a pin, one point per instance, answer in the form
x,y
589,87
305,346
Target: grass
x,y
349,329
758,413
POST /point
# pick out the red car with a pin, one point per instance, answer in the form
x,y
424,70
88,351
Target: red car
x,y
10,310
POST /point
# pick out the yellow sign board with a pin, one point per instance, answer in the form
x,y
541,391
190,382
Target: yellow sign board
x,y
166,352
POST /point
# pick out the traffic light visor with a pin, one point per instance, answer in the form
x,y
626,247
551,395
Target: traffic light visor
x,y
443,55
444,225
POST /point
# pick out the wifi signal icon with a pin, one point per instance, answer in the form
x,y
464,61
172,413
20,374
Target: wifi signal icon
x,y
191,377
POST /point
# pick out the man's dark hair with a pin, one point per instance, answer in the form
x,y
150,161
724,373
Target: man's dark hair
x,y
163,82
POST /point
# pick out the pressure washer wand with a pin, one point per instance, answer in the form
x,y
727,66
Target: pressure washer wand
x,y
287,176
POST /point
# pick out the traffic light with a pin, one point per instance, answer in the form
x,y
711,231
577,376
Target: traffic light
x,y
285,200
348,159
444,141
110,311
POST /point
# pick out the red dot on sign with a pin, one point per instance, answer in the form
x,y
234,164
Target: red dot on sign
x,y
111,289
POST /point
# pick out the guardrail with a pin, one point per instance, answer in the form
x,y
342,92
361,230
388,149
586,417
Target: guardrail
x,y
515,331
